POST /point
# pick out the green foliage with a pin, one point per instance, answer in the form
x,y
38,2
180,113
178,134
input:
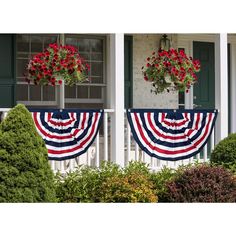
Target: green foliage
x,y
109,183
170,70
25,174
137,167
202,183
132,185
83,185
224,153
160,179
128,188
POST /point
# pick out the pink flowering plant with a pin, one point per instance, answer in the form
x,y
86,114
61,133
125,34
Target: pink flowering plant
x,y
55,64
170,71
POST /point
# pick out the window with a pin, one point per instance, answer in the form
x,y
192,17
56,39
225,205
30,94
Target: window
x,y
90,94
28,45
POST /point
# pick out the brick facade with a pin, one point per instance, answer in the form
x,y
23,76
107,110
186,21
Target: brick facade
x,y
143,46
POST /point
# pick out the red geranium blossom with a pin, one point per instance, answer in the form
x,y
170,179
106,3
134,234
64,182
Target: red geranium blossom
x,y
171,70
55,64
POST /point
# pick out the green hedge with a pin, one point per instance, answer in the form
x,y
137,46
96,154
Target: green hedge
x,y
224,153
25,175
109,183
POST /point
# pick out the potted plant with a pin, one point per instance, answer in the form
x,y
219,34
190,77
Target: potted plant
x,y
170,71
55,64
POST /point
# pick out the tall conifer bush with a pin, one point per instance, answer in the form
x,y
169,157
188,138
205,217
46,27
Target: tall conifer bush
x,y
25,174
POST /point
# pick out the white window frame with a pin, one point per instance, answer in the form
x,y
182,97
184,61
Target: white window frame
x,y
40,102
101,100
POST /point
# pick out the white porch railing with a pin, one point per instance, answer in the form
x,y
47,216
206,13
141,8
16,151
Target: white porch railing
x,y
3,113
100,150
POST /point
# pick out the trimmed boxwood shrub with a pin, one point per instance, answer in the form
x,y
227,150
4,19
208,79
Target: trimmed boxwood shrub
x,y
202,183
109,183
225,153
25,174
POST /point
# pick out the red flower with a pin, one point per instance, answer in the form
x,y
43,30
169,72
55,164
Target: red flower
x,y
54,59
87,66
180,69
47,53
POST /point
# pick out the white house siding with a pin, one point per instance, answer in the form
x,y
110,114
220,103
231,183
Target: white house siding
x,y
143,46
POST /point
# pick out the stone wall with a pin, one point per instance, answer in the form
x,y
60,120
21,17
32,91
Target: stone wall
x,y
143,46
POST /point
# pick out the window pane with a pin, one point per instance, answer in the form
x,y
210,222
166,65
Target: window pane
x,y
25,55
96,56
49,93
92,50
21,65
96,45
28,46
22,43
82,91
35,93
70,92
36,43
21,92
72,41
49,40
84,105
95,92
83,45
181,97
85,56
96,80
97,69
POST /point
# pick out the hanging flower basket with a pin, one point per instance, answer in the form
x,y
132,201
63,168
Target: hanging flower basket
x,y
55,64
170,71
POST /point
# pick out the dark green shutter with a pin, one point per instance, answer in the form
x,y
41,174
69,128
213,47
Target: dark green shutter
x,y
7,70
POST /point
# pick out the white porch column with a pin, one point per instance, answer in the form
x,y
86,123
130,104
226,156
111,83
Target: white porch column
x,y
221,86
116,85
233,87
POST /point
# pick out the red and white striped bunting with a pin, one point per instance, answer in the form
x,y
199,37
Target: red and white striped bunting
x,y
171,135
67,134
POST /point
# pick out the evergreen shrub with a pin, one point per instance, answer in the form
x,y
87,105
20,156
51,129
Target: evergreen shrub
x,y
25,174
224,153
